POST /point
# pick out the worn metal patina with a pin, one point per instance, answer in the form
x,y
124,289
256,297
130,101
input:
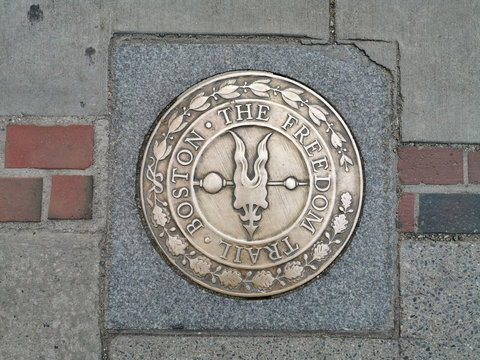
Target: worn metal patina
x,y
250,184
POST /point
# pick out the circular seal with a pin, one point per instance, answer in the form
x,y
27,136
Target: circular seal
x,y
250,184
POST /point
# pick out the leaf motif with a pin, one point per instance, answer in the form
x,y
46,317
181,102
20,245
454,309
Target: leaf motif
x,y
227,89
204,107
159,217
263,280
346,200
230,278
159,149
264,81
259,86
316,115
292,95
348,160
181,127
175,123
231,95
293,270
176,245
200,265
293,104
198,102
320,251
260,94
339,223
166,153
335,140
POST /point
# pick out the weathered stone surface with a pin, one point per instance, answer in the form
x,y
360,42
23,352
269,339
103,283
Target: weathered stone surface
x,y
449,213
438,349
439,297
54,54
49,296
45,68
438,76
246,348
282,17
145,293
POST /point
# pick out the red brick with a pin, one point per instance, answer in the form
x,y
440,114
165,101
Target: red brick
x,y
20,199
431,165
474,167
71,198
49,147
405,212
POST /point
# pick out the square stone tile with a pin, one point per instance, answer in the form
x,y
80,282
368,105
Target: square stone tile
x,y
358,292
49,296
250,348
440,286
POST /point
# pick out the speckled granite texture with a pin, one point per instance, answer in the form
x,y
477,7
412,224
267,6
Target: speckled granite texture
x,y
250,348
356,295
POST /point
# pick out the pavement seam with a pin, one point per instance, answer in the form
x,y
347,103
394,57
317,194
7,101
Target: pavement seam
x,y
332,39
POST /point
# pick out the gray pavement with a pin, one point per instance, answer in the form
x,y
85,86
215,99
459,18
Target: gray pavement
x,y
439,74
49,296
440,313
250,348
56,63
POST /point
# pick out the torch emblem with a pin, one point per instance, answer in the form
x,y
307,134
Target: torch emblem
x,y
250,192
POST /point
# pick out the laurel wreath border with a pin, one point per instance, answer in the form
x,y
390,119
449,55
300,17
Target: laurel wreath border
x,y
230,278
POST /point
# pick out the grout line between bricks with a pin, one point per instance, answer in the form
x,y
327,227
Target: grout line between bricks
x,y
47,190
416,211
465,167
443,189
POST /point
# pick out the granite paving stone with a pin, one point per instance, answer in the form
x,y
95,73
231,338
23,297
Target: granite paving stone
x,y
438,350
249,348
49,296
144,293
439,291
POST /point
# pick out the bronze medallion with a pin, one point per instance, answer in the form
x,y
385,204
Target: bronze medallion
x,y
250,184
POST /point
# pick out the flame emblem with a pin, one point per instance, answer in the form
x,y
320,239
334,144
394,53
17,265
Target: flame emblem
x,y
250,193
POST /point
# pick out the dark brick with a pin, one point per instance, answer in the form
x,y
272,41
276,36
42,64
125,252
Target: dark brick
x,y
430,165
21,199
49,147
449,213
405,212
71,198
474,167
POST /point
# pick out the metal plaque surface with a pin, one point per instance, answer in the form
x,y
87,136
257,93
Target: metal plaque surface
x,y
250,184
